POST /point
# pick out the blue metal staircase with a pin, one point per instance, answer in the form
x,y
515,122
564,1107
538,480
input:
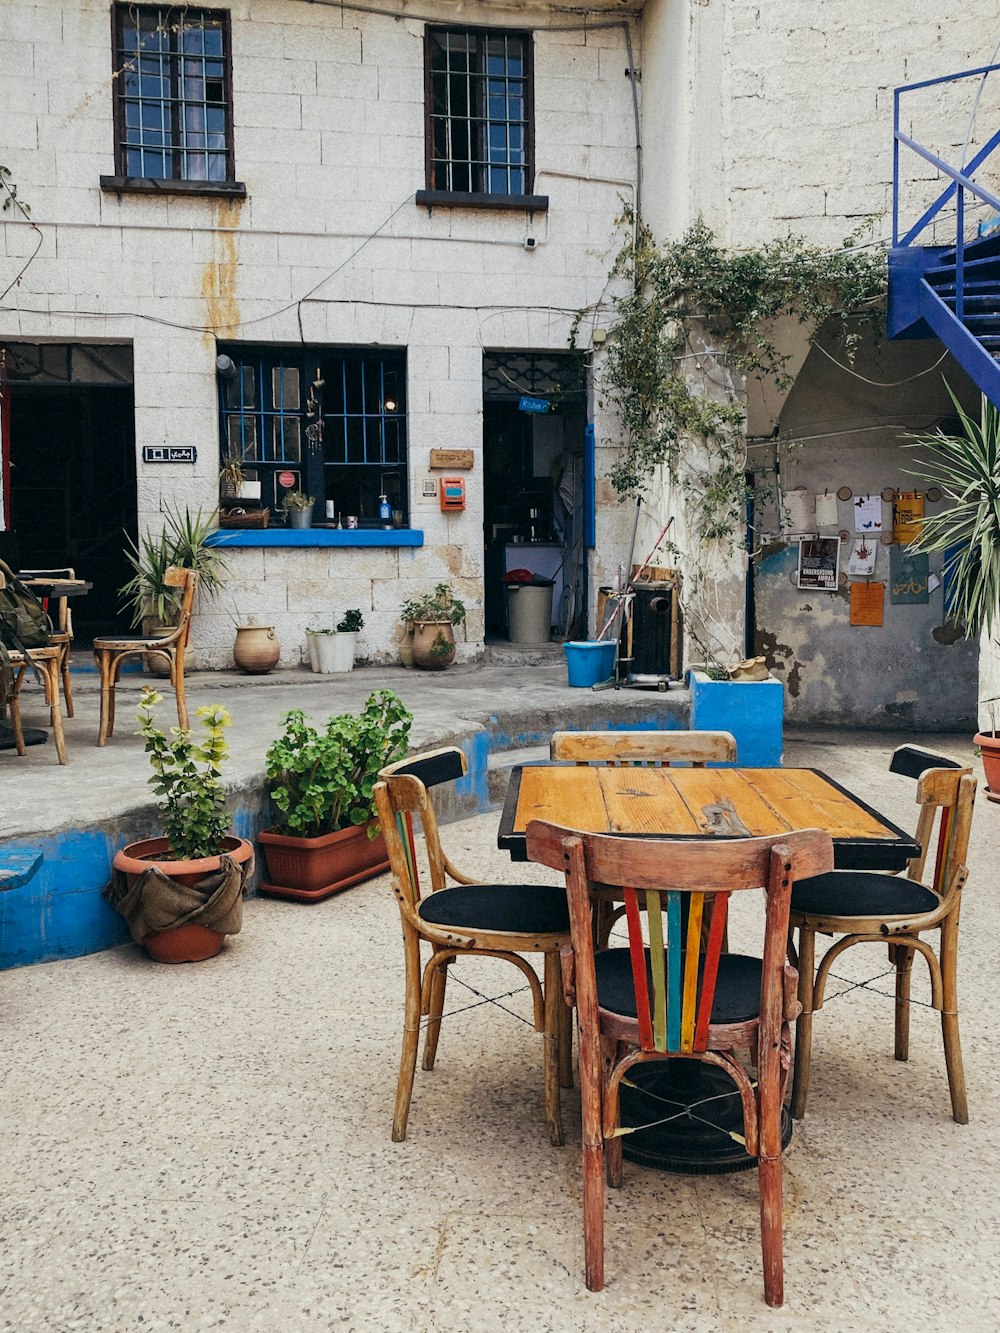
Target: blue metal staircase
x,y
951,292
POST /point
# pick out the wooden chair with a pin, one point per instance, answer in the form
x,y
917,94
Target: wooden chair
x,y
467,919
680,997
868,907
46,662
110,654
62,633
657,748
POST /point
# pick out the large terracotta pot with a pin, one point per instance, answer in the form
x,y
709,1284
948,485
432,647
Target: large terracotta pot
x,y
989,744
433,644
310,869
191,942
256,650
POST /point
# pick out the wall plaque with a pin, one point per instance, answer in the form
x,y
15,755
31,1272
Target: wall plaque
x,y
169,453
454,460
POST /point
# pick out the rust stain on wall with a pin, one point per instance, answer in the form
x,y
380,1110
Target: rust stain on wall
x,y
218,279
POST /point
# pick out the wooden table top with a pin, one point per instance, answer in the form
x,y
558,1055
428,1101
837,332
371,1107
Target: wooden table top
x,y
695,802
55,588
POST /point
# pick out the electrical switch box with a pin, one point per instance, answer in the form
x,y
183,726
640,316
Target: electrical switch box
x,y
452,494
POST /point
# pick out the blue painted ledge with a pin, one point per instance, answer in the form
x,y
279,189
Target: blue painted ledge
x,y
316,537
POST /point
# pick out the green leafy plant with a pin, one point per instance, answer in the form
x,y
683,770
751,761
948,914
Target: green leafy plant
x,y
352,623
186,776
322,781
296,500
438,607
182,542
232,475
967,469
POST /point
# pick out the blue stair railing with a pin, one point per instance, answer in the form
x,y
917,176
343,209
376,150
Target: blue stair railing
x,y
953,292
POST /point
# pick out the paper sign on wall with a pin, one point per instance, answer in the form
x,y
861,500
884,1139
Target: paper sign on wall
x,y
909,580
862,557
798,511
868,513
826,510
867,600
818,561
907,511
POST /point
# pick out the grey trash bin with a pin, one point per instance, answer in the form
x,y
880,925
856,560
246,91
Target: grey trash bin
x,y
529,612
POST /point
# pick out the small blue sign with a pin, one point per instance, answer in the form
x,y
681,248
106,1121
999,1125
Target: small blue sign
x,y
533,405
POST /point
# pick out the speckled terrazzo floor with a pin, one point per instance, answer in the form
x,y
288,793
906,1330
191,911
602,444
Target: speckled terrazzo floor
x,y
208,1146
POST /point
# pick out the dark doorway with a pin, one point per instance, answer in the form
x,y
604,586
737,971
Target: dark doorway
x,y
533,483
73,490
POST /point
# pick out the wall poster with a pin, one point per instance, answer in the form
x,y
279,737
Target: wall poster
x,y
907,513
908,577
819,558
867,602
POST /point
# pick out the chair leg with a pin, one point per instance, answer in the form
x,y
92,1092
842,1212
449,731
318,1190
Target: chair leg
x,y
904,971
182,712
803,1024
949,1021
438,985
553,1003
769,1180
565,1045
411,1037
66,685
55,710
15,716
591,1079
104,667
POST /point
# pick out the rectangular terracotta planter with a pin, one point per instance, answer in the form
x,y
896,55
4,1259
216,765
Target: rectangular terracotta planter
x,y
310,869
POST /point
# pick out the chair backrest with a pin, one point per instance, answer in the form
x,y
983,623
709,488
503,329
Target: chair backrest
x,y
432,768
656,748
912,760
683,887
176,577
946,797
397,799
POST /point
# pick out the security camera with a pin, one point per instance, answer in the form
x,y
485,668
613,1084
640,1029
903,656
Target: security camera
x,y
226,367
530,243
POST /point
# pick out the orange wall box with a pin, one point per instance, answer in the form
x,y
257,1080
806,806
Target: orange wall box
x,y
452,494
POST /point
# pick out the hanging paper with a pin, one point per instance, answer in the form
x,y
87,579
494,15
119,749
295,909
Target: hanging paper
x,y
798,511
826,510
862,557
867,600
868,513
907,511
909,580
818,561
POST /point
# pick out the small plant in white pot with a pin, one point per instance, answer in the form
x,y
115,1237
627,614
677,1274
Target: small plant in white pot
x,y
235,484
331,651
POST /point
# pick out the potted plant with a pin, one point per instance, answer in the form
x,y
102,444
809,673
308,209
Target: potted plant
x,y
298,508
321,784
966,468
434,617
235,484
331,651
181,894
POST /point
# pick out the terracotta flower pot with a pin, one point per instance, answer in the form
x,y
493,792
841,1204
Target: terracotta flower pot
x,y
433,644
310,869
989,744
192,941
256,650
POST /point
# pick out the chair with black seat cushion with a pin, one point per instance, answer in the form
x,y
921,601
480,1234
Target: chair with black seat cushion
x,y
679,996
465,919
864,906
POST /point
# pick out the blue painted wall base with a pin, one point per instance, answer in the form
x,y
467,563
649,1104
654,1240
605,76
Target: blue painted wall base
x,y
753,710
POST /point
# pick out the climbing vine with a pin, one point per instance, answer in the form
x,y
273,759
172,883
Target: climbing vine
x,y
695,322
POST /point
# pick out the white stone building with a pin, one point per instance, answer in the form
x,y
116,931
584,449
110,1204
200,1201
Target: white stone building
x,y
417,199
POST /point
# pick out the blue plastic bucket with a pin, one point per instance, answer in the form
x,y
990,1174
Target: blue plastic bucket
x,y
589,663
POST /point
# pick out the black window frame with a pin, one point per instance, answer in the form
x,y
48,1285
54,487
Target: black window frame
x,y
170,16
444,192
324,468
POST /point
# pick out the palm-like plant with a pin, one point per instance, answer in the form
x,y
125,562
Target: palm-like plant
x,y
966,467
181,542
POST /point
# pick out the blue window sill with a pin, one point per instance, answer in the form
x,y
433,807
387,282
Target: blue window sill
x,y
316,537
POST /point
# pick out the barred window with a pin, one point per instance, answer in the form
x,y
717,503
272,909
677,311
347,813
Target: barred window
x,y
479,111
173,93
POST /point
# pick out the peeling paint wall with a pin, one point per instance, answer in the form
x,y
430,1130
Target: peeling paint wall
x,y
905,673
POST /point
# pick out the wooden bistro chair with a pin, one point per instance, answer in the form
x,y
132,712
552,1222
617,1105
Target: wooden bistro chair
x,y
896,910
46,663
110,654
627,749
466,919
62,633
680,996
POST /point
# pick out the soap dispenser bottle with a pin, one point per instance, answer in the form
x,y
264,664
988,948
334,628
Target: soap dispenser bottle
x,y
384,511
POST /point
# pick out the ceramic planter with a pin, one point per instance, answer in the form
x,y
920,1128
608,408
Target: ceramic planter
x,y
989,744
256,650
433,644
311,869
332,654
752,710
406,646
194,939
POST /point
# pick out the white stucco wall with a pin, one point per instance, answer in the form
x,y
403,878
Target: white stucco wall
x,y
329,139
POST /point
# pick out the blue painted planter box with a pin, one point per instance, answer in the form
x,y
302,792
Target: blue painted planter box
x,y
753,710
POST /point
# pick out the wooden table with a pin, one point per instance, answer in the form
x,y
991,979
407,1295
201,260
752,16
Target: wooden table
x,y
695,802
45,588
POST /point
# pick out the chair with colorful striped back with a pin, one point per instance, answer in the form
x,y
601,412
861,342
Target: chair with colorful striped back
x,y
677,994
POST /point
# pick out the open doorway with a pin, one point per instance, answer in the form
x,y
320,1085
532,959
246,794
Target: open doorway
x,y
69,433
534,421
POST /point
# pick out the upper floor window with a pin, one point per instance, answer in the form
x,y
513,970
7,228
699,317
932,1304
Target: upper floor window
x,y
479,138
173,93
